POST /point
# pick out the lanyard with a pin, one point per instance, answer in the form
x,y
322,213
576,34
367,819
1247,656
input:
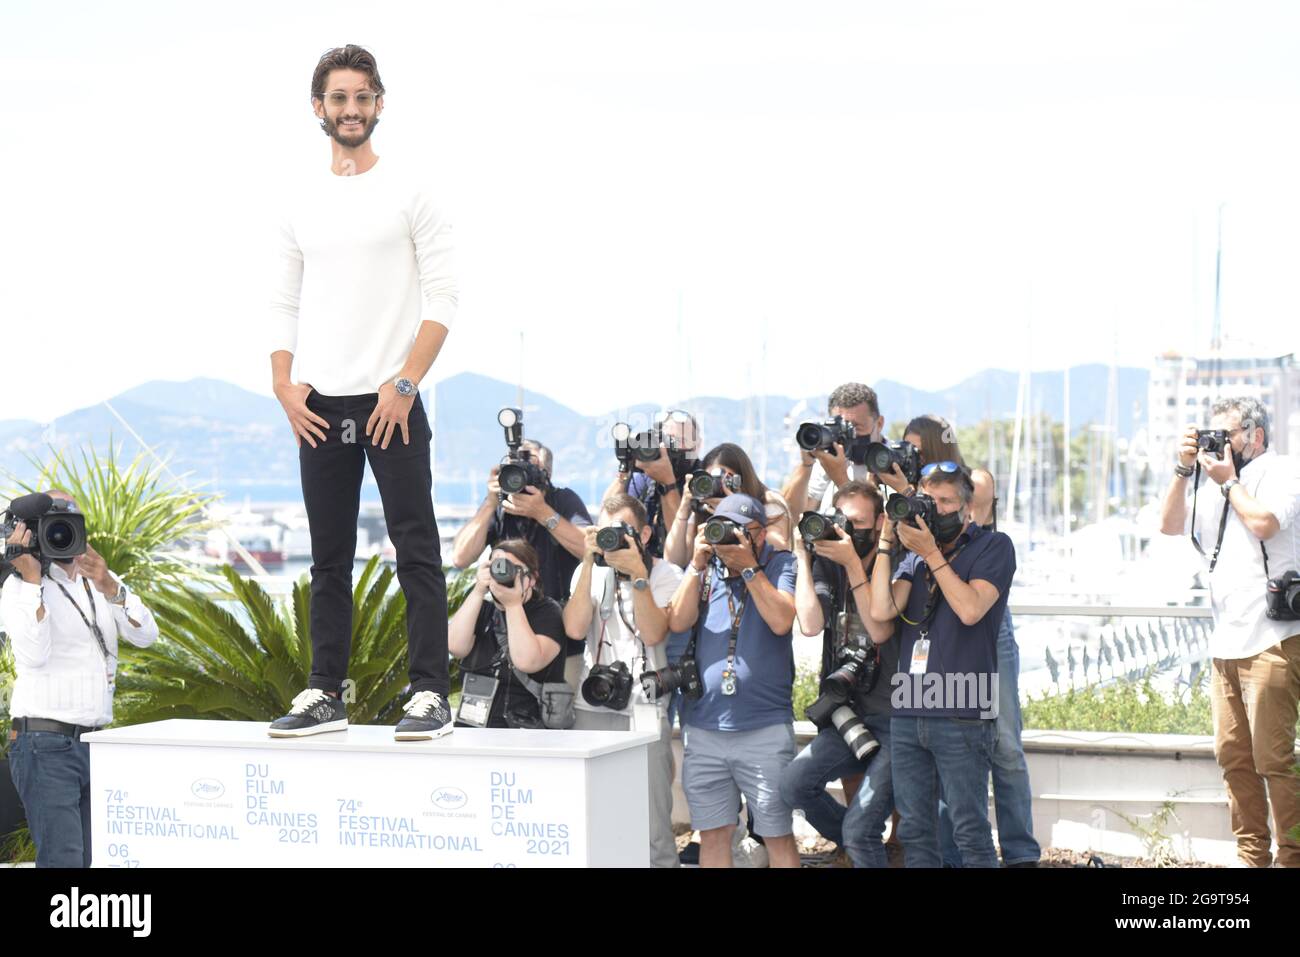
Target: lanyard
x,y
1223,522
736,614
93,626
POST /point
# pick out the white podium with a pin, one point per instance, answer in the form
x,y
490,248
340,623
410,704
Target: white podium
x,y
185,793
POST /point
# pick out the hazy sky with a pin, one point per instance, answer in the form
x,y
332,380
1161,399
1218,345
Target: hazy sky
x,y
949,185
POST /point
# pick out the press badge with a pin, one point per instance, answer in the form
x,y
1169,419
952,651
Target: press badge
x,y
920,655
476,696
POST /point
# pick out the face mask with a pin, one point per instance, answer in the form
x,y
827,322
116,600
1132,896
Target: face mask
x,y
946,528
864,539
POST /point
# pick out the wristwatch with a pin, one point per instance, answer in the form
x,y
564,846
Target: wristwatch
x,y
553,522
641,584
748,573
1229,485
120,597
404,386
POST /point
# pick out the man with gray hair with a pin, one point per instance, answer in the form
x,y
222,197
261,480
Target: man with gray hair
x,y
817,475
550,519
1248,534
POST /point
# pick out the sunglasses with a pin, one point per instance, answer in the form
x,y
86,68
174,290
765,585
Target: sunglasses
x,y
952,468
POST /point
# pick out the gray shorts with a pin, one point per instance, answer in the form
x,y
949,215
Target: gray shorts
x,y
718,766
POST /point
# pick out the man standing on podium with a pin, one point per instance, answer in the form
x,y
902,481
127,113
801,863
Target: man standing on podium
x,y
365,294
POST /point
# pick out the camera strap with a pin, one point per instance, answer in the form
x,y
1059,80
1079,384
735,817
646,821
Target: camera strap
x,y
110,665
501,633
736,612
1223,521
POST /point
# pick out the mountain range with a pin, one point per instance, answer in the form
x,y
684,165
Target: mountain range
x,y
225,438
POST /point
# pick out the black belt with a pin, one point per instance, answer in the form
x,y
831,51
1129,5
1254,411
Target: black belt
x,y
44,724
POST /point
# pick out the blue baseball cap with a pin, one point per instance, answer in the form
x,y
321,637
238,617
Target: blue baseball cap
x,y
741,509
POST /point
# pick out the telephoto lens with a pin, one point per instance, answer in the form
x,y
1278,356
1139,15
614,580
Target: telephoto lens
x,y
504,571
814,526
721,531
685,675
822,436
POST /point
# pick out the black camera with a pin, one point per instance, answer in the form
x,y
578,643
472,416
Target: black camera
x,y
882,455
1213,441
631,448
519,470
685,675
608,686
908,508
815,527
1283,597
722,531
857,673
713,484
610,539
504,571
822,436
58,528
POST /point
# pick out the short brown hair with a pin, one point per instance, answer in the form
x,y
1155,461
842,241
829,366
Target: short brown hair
x,y
852,394
864,489
350,57
621,501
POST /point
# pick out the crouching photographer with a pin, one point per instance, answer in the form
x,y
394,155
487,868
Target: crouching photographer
x,y
508,635
950,592
65,655
737,599
835,554
1245,522
619,606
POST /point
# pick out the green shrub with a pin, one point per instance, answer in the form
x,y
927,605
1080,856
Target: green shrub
x,y
1133,706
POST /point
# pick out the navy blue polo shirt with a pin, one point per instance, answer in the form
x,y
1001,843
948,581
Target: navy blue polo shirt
x,y
764,661
965,657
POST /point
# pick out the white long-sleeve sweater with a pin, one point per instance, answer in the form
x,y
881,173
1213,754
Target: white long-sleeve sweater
x,y
363,259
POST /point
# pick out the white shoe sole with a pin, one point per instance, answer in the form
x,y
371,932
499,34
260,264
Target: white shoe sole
x,y
422,735
340,725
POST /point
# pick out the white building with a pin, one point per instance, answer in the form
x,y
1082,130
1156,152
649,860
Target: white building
x,y
1182,389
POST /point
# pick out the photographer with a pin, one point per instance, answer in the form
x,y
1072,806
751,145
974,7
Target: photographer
x,y
934,440
619,607
738,730
831,596
814,480
63,623
1012,798
1244,522
657,484
549,519
733,472
950,592
508,635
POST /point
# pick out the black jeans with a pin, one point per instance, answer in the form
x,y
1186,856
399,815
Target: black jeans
x,y
331,489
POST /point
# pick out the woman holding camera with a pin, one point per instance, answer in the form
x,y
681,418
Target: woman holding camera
x,y
736,473
508,636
